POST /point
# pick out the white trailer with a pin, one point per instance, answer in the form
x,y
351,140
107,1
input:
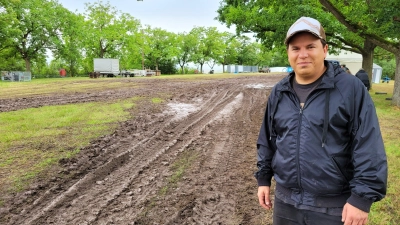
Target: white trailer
x,y
106,67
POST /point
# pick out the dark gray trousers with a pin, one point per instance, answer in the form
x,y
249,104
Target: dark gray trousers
x,y
286,214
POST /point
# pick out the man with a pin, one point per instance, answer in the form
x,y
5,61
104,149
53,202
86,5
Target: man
x,y
344,67
363,76
320,139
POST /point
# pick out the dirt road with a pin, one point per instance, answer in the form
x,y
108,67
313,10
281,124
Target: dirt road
x,y
189,160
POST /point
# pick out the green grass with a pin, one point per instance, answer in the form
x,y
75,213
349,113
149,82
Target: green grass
x,y
33,139
386,212
157,100
178,168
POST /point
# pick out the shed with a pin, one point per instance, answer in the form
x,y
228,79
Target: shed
x,y
352,60
376,74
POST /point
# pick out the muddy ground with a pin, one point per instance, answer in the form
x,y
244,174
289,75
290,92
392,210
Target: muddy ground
x,y
188,160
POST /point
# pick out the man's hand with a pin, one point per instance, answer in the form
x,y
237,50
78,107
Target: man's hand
x,y
352,215
263,197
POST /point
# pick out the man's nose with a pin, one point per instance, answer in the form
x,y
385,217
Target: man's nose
x,y
303,53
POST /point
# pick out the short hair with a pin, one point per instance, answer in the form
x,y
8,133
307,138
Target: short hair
x,y
323,42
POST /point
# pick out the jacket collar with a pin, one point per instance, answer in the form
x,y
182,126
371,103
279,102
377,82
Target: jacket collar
x,y
327,81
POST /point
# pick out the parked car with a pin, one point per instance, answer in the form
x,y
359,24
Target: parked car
x,y
264,70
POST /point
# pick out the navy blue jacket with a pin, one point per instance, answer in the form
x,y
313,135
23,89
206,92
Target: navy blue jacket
x,y
328,153
363,76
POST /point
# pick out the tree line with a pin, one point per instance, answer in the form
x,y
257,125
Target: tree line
x,y
32,30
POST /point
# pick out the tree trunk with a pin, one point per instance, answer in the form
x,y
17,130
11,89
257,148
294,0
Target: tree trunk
x,y
71,69
182,67
223,68
28,64
396,90
201,67
368,58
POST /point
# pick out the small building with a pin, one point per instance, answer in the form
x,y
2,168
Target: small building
x,y
376,74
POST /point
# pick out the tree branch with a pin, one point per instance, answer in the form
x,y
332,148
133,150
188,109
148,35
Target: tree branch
x,y
355,28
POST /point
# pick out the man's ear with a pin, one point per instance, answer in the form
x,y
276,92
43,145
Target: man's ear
x,y
326,50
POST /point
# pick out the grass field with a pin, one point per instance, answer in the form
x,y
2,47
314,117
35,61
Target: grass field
x,y
34,139
387,211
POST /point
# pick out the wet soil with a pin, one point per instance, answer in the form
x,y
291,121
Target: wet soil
x,y
188,160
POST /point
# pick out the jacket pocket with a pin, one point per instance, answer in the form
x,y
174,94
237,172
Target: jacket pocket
x,y
342,163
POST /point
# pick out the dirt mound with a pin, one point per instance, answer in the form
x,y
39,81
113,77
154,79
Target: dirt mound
x,y
189,160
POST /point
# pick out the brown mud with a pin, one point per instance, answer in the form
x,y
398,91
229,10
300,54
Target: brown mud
x,y
188,160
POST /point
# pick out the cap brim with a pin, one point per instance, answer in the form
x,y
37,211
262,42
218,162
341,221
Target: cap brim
x,y
300,31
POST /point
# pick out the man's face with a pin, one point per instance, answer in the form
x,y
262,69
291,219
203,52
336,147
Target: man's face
x,y
306,55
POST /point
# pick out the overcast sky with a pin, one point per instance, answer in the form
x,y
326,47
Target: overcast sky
x,y
171,15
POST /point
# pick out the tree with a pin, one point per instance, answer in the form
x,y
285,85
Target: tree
x,y
159,45
131,49
32,27
269,21
248,51
230,50
376,22
68,47
208,46
106,30
185,44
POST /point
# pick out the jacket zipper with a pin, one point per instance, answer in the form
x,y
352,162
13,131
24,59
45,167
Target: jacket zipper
x,y
310,97
298,155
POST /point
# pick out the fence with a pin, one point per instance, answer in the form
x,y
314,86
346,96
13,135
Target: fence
x,y
241,69
16,76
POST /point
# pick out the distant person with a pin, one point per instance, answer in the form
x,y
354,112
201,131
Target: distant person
x,y
344,67
320,139
363,76
63,72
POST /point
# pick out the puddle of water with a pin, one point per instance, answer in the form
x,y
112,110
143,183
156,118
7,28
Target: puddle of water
x,y
258,86
181,110
230,107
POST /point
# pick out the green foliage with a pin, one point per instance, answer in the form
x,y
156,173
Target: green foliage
x,y
32,27
230,49
388,67
185,45
167,66
270,20
159,45
68,48
209,46
190,70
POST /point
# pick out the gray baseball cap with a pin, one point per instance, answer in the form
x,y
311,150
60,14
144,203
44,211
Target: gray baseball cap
x,y
306,24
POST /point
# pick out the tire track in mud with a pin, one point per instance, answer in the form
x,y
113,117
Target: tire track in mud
x,y
100,188
132,185
214,194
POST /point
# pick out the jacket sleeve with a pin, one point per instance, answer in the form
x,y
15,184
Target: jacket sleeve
x,y
369,158
265,149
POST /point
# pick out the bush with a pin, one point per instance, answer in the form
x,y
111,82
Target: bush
x,y
388,67
168,67
190,70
